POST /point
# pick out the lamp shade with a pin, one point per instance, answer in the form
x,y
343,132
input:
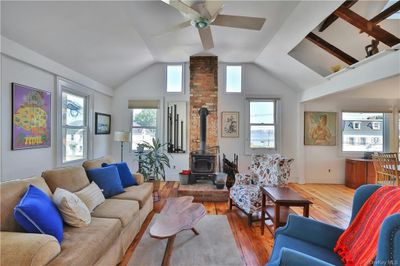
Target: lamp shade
x,y
121,136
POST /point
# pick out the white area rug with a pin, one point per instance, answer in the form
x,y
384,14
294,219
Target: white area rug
x,y
214,246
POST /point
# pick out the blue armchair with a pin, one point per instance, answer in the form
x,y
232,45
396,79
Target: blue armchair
x,y
307,242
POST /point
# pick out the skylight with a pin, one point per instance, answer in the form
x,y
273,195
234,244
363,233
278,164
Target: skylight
x,y
395,15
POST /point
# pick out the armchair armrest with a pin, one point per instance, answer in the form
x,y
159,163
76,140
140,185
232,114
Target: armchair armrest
x,y
389,242
139,178
290,257
27,249
312,231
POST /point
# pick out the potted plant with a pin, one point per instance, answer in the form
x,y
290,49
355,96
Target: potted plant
x,y
153,160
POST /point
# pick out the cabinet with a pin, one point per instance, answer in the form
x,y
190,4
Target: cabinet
x,y
359,172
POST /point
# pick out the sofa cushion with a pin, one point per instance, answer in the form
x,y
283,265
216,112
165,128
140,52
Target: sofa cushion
x,y
72,208
91,196
85,245
11,193
37,213
139,193
107,178
69,178
124,210
127,179
304,247
96,163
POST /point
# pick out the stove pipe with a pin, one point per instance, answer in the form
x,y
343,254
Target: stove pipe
x,y
203,112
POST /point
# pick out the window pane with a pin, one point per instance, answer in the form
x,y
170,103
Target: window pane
x,y
262,113
262,137
233,78
73,111
74,144
144,117
362,131
142,134
174,78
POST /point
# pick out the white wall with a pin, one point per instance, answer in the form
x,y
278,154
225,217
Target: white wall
x,y
150,84
25,163
378,96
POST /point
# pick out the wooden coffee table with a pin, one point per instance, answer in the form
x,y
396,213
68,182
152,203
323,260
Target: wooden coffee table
x,y
177,215
283,198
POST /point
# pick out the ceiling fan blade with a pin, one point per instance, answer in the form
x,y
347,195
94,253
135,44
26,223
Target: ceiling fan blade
x,y
174,28
206,38
183,8
213,7
250,23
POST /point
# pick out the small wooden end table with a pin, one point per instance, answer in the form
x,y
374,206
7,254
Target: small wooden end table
x,y
283,198
177,215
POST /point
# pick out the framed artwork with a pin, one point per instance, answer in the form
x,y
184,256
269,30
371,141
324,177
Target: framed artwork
x,y
320,128
230,125
102,123
31,118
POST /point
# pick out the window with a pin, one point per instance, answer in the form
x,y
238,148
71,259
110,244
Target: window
x,y
357,125
376,126
74,127
233,79
175,78
262,126
144,125
360,126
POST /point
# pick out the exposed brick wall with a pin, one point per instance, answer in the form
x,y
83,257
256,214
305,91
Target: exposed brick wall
x,y
203,93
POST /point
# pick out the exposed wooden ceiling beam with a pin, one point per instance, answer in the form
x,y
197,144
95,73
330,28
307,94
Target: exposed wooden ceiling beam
x,y
386,13
333,50
366,26
332,18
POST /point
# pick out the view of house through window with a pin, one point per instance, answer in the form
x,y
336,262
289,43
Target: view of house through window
x,y
74,127
262,124
144,126
233,79
175,78
362,132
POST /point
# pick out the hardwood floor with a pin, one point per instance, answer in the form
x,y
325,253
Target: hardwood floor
x,y
332,204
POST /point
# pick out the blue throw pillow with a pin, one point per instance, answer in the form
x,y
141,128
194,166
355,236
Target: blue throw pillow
x,y
125,174
36,213
108,180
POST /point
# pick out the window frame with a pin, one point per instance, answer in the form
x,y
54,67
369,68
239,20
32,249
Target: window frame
x,y
384,127
277,125
64,85
226,76
183,79
157,127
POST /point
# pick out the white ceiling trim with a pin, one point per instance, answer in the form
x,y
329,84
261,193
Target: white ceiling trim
x,y
305,17
21,53
383,66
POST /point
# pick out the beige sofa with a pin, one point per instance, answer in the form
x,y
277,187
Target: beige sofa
x,y
114,224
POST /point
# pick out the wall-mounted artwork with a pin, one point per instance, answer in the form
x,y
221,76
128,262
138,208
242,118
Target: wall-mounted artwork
x,y
230,124
102,123
176,127
320,128
31,118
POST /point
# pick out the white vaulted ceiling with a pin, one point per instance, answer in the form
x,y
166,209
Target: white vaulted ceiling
x,y
110,41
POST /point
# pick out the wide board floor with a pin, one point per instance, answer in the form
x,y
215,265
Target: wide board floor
x,y
332,204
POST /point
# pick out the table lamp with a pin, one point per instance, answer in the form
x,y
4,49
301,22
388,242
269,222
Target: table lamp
x,y
121,136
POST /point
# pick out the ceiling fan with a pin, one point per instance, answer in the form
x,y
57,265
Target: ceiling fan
x,y
203,14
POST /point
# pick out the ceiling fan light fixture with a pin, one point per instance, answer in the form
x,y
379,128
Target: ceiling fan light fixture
x,y
200,23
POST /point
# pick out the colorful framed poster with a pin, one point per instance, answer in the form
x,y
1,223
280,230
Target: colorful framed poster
x,y
320,128
102,123
230,125
31,118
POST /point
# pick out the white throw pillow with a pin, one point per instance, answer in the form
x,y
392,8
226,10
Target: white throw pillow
x,y
91,196
72,209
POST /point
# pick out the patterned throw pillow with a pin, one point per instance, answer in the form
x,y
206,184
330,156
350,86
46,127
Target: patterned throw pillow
x,y
91,196
72,208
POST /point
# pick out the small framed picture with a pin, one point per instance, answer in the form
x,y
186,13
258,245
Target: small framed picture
x,y
230,125
320,128
102,123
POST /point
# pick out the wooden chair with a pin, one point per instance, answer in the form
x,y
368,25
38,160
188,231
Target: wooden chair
x,y
386,168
